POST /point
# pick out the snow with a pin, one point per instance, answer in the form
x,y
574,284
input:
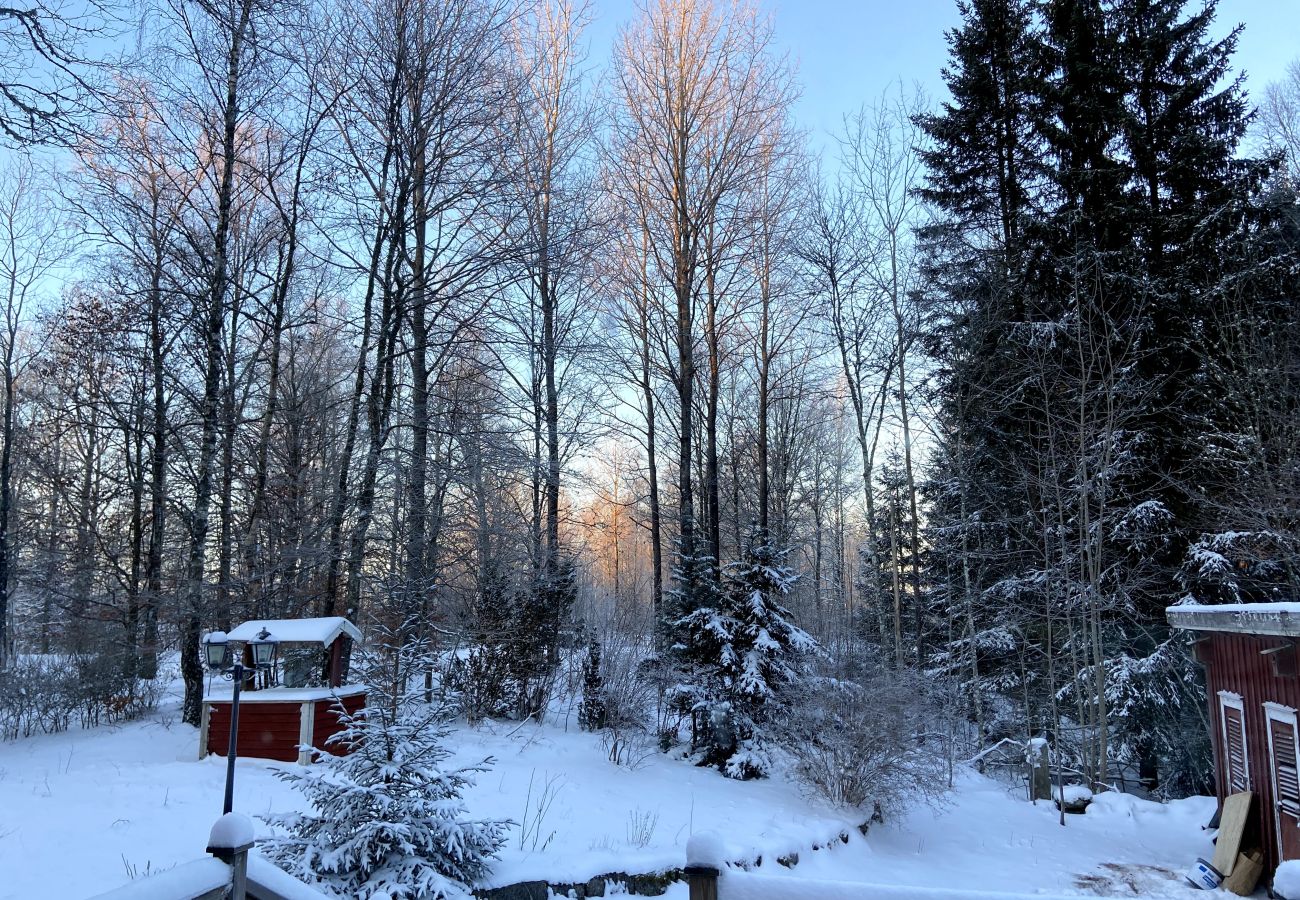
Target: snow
x,y
185,882
747,886
224,690
269,876
134,798
706,848
1076,793
232,830
321,630
1286,881
1262,609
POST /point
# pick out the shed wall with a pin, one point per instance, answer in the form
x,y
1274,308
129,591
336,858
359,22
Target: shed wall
x,y
272,730
1235,664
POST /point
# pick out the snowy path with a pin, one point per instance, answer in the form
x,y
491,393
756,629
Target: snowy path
x,y
81,812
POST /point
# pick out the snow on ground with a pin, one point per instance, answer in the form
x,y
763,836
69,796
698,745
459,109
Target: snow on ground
x,y
85,811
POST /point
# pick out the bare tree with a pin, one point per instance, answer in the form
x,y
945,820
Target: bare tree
x,y
698,89
30,248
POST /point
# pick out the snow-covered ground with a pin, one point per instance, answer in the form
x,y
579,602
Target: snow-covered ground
x,y
88,810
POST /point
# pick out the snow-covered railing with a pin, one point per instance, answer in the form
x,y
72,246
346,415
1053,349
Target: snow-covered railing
x,y
228,874
199,879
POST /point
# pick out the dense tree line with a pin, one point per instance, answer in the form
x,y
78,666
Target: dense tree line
x,y
396,310
1103,259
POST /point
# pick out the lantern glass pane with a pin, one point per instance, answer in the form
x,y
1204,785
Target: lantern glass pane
x,y
216,652
263,652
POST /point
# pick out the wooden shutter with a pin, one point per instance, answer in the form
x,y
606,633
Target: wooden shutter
x,y
1234,746
1284,767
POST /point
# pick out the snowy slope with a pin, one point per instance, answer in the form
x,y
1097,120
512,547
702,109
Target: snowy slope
x,y
81,812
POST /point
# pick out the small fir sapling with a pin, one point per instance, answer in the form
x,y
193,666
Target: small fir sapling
x,y
592,712
388,816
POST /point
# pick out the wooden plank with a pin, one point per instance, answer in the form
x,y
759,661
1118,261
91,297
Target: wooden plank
x,y
1232,827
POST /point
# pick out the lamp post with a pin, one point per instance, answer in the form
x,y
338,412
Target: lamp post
x,y
216,649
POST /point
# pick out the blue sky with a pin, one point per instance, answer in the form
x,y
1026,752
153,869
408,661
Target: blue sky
x,y
849,51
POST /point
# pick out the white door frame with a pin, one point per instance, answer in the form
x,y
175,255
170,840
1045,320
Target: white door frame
x,y
1276,712
1230,700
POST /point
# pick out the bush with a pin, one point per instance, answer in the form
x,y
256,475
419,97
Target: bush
x,y
46,694
872,743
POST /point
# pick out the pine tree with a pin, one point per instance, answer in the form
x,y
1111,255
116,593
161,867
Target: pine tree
x,y
743,652
386,816
1087,440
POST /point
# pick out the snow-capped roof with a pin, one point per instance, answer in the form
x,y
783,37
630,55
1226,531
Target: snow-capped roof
x,y
323,630
1280,619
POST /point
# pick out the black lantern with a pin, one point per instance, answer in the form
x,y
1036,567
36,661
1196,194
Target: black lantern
x,y
216,650
264,649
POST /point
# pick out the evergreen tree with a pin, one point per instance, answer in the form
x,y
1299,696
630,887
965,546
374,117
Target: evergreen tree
x,y
743,653
592,711
385,814
1085,436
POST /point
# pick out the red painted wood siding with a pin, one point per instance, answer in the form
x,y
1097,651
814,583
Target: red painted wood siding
x,y
1234,663
327,722
272,730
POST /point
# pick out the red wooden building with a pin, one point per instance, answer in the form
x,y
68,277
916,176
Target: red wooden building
x,y
293,705
1249,654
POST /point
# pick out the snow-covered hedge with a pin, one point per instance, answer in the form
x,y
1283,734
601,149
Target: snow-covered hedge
x,y
47,694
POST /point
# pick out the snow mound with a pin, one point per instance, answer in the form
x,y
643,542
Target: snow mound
x,y
1076,793
230,831
1286,880
706,848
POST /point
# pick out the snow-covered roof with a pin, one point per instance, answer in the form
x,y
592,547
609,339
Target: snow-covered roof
x,y
323,630
1280,619
221,692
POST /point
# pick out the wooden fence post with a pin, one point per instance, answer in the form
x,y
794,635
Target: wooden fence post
x,y
231,839
702,882
237,859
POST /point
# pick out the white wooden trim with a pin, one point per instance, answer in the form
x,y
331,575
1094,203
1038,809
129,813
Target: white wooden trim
x,y
1276,712
1230,700
306,727
203,729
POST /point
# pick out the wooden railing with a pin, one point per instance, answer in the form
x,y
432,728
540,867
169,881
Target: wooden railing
x,y
226,874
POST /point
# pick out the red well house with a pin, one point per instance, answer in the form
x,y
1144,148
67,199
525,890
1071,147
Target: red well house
x,y
293,705
1249,654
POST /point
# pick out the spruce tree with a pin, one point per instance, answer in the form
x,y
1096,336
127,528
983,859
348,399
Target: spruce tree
x,y
386,815
744,652
1086,438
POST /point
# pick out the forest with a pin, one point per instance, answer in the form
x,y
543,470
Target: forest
x,y
419,313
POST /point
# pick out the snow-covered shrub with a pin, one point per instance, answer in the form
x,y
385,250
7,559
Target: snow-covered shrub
x,y
873,743
47,694
385,815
